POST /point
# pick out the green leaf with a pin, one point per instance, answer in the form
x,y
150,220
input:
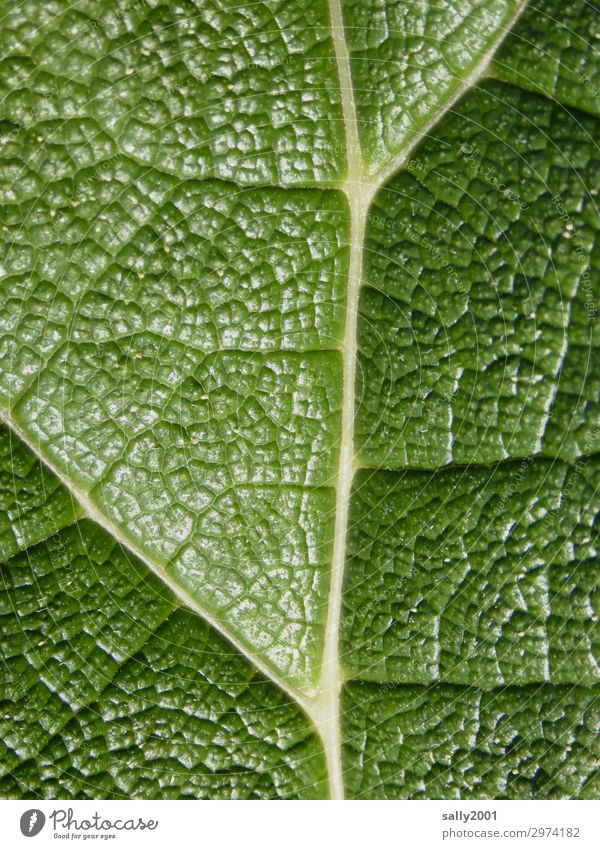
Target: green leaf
x,y
448,742
298,484
554,50
408,59
113,691
481,259
33,505
198,410
495,586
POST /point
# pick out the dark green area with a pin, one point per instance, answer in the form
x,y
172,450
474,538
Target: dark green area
x,y
479,325
111,691
448,742
475,576
555,50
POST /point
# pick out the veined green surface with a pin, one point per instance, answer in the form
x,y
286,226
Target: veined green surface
x,y
408,59
450,742
246,251
33,503
481,261
550,50
473,576
115,692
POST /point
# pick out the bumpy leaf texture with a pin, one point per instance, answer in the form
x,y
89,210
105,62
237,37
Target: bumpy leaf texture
x,y
300,449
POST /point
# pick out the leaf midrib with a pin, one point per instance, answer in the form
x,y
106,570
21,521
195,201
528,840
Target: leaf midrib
x,y
321,704
360,189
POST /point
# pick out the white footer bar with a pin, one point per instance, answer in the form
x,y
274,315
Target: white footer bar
x,y
301,825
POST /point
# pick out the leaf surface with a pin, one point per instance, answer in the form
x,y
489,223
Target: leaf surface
x,y
458,743
496,586
113,691
408,59
297,351
480,260
554,50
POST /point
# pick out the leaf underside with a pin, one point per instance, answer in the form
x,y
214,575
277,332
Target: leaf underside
x,y
176,246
